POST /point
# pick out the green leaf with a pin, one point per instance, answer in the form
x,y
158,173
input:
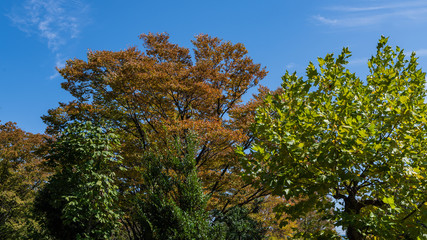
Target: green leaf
x,y
363,133
389,201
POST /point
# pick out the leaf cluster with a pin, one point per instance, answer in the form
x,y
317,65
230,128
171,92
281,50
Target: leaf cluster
x,y
165,89
80,199
362,144
21,174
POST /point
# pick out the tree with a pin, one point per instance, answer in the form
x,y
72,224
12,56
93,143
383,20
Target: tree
x,y
21,175
166,90
355,148
237,224
171,204
79,201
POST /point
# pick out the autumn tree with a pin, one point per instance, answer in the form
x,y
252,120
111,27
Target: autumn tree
x,y
362,144
79,201
166,89
21,175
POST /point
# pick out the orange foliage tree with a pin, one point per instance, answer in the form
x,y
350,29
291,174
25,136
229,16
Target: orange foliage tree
x,y
21,174
167,90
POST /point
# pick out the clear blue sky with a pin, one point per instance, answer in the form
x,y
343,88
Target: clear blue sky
x,y
37,35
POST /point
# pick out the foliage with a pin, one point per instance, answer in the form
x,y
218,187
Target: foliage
x,y
171,204
147,95
361,143
237,224
21,174
271,220
79,202
314,225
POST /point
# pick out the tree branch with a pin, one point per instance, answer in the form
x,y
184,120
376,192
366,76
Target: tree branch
x,y
414,211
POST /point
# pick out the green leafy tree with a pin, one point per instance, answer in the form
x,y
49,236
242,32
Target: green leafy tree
x,y
237,224
361,144
171,204
79,200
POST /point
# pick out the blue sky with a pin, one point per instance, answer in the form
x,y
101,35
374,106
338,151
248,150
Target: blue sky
x,y
38,35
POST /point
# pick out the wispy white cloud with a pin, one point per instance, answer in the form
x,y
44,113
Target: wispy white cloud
x,y
388,6
324,20
290,66
349,21
55,21
357,61
59,63
355,16
422,52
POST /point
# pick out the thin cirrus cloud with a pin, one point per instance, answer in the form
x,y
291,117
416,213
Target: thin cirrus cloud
x,y
356,16
54,21
420,52
358,61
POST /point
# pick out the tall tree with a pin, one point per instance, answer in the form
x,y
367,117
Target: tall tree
x,y
172,205
79,201
21,175
362,144
166,89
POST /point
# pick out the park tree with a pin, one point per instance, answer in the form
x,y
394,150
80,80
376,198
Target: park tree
x,y
166,90
21,174
237,223
353,148
79,201
173,205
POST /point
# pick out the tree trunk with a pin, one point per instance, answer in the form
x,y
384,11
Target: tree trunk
x,y
353,233
352,207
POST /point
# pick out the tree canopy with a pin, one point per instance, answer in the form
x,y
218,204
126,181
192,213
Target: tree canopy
x,y
21,175
354,148
166,90
80,199
173,205
157,144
